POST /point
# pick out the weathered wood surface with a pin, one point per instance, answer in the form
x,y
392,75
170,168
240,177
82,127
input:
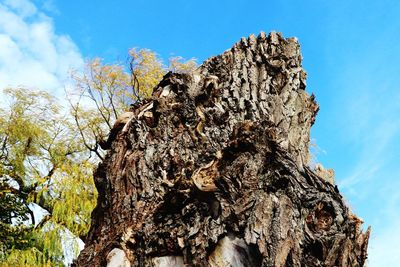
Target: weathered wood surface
x,y
212,171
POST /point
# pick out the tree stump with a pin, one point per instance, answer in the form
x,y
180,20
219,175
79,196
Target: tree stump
x,y
212,171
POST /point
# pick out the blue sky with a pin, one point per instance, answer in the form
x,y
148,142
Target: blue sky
x,y
350,50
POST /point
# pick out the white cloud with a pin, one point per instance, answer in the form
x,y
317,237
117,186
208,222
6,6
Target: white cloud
x,y
32,54
23,7
50,6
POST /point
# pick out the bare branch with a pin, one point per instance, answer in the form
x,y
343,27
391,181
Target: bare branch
x,y
134,81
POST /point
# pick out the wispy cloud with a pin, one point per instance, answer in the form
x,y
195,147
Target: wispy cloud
x,y
50,6
372,129
371,126
32,53
375,141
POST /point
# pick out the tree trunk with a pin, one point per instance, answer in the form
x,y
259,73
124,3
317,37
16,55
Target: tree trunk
x,y
212,171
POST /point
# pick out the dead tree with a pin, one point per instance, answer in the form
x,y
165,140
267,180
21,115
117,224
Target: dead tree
x,y
212,171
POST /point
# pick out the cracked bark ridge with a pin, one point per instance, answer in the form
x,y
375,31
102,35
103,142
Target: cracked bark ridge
x,y
211,171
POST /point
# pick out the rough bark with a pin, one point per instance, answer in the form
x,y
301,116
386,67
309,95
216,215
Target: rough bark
x,y
211,171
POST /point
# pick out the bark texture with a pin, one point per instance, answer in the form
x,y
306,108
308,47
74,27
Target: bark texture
x,y
211,171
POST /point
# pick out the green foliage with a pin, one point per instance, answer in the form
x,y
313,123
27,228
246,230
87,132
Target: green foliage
x,y
40,248
146,70
46,153
75,202
178,64
41,161
103,91
14,237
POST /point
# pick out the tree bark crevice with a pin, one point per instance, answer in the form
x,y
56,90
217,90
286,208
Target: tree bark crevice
x,y
212,171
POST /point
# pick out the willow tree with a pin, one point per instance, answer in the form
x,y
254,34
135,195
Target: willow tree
x,y
103,92
47,155
44,168
212,171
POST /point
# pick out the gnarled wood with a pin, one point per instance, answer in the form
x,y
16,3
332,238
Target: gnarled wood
x,y
212,171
